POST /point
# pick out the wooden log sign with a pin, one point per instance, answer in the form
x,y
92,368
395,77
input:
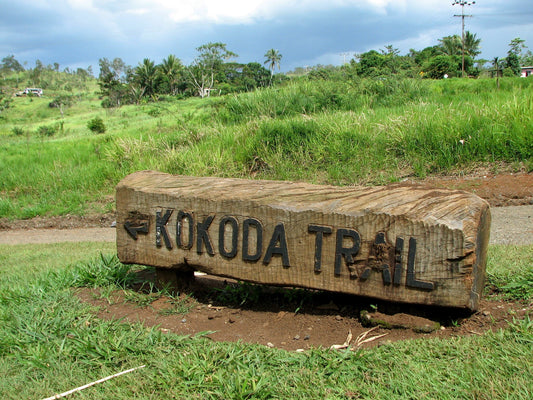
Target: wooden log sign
x,y
399,243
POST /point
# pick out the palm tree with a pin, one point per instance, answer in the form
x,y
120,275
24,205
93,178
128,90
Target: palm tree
x,y
472,44
497,66
146,77
451,45
272,59
170,69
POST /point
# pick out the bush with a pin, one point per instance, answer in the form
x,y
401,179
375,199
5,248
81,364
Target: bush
x,y
96,125
17,131
47,130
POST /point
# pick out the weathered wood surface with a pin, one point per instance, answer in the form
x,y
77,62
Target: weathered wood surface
x,y
400,243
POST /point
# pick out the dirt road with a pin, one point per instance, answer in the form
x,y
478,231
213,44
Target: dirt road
x,y
510,225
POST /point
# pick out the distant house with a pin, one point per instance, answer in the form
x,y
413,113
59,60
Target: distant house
x,y
526,71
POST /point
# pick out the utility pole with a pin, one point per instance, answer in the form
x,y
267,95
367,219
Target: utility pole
x,y
344,55
463,3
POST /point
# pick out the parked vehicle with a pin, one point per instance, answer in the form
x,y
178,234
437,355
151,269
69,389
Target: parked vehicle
x,y
34,91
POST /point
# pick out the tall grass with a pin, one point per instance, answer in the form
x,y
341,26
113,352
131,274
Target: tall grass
x,y
310,97
371,145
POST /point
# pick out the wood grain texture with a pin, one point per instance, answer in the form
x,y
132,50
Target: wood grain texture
x,y
400,243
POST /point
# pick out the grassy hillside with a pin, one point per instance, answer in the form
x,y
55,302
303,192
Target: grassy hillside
x,y
338,132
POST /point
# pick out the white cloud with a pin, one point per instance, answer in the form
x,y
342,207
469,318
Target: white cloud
x,y
138,11
248,11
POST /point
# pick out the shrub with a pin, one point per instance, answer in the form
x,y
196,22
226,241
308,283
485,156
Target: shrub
x,y
17,131
96,125
47,130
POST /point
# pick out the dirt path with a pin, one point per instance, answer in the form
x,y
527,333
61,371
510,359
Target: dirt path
x,y
510,225
51,235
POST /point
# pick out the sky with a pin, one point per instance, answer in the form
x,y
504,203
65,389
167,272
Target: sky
x,y
77,33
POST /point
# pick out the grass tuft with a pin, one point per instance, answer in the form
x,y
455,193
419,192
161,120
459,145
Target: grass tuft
x,y
103,271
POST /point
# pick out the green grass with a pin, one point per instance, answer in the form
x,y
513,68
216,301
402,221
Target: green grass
x,y
50,342
510,271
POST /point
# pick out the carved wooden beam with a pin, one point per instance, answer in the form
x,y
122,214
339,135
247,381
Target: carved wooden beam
x,y
399,243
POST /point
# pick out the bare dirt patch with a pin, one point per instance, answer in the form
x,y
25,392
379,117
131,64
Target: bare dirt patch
x,y
59,222
300,321
500,190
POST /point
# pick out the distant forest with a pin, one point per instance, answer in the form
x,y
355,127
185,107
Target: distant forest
x,y
214,72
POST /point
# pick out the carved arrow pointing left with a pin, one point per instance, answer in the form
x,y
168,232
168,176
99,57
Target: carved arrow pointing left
x,y
134,229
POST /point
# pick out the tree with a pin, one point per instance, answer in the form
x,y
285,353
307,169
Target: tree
x,y
272,58
439,66
393,61
451,45
111,83
421,57
9,63
512,64
171,72
145,76
390,50
62,102
207,64
35,73
372,63
516,46
512,61
472,43
527,59
119,68
257,74
496,63
244,77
